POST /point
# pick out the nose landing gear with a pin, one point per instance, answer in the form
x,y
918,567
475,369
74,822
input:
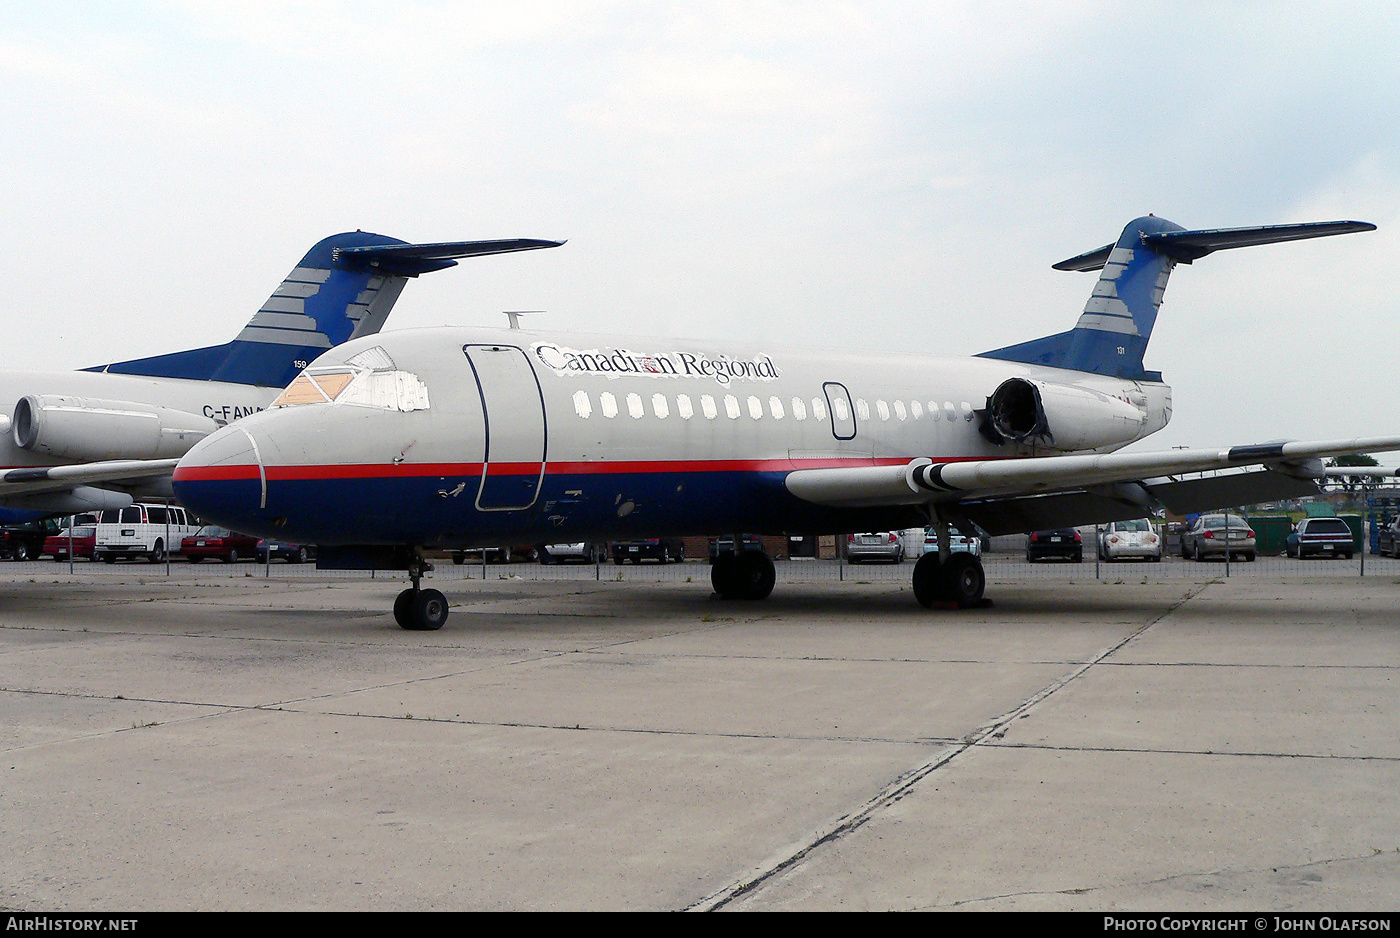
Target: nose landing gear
x,y
417,609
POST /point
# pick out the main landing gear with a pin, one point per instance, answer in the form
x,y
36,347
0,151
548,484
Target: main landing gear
x,y
420,610
948,576
748,575
959,581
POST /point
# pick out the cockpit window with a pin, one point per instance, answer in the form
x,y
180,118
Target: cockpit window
x,y
310,388
344,384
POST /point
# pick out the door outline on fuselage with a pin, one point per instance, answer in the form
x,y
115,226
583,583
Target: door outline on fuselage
x,y
836,402
511,388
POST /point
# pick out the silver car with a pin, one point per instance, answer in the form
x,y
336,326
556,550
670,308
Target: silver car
x,y
1211,537
875,545
582,551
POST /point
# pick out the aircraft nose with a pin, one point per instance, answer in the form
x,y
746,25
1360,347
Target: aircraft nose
x,y
222,479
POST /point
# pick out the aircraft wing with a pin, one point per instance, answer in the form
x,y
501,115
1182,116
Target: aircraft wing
x,y
1377,472
39,486
1011,495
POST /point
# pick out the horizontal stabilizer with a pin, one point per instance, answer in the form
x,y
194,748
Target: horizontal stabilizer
x,y
1111,336
1185,246
344,288
410,260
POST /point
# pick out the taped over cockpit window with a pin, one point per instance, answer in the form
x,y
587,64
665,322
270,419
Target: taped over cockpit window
x,y
385,390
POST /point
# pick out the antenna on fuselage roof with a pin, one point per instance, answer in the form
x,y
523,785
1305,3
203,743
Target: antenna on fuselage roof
x,y
514,315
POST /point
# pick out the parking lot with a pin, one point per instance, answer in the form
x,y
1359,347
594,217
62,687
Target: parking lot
x,y
218,741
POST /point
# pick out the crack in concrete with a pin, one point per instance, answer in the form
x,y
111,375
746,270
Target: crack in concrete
x,y
904,784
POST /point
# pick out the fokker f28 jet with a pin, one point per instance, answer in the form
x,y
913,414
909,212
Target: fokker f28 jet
x,y
459,438
87,440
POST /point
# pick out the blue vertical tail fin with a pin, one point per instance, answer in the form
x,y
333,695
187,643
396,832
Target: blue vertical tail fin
x,y
343,288
1113,331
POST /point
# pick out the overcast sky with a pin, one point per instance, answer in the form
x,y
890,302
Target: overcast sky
x,y
873,175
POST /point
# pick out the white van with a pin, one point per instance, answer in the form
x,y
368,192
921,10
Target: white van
x,y
142,531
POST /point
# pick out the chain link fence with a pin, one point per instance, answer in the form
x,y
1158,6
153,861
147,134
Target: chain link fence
x,y
1000,563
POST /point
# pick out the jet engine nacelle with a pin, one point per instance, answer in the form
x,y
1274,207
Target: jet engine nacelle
x,y
90,430
1062,416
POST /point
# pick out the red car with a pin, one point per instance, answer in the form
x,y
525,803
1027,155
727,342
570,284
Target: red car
x,y
214,541
84,539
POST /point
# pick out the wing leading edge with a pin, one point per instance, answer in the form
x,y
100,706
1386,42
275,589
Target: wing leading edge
x,y
73,488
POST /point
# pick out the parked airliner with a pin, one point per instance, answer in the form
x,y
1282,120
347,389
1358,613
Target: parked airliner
x,y
88,440
460,437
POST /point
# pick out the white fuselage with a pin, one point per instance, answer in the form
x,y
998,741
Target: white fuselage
x,y
521,434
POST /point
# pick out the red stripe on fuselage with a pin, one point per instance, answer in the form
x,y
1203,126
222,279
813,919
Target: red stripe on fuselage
x,y
611,467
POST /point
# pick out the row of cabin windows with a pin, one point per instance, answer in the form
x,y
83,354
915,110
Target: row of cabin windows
x,y
635,406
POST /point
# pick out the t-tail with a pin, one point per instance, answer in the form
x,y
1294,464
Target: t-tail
x,y
1112,334
343,288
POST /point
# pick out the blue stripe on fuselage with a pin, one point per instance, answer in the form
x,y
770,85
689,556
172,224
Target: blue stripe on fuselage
x,y
573,507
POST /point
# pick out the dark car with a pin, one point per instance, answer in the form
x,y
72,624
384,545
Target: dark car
x,y
725,544
661,549
292,553
1388,538
1064,543
84,538
1219,534
214,541
1327,537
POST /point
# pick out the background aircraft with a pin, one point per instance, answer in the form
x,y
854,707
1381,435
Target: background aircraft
x,y
456,438
88,440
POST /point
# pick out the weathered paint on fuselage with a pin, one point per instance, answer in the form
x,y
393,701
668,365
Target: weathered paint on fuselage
x,y
549,437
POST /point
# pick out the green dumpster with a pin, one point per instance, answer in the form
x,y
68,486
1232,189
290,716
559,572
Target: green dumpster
x,y
1271,533
1355,523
